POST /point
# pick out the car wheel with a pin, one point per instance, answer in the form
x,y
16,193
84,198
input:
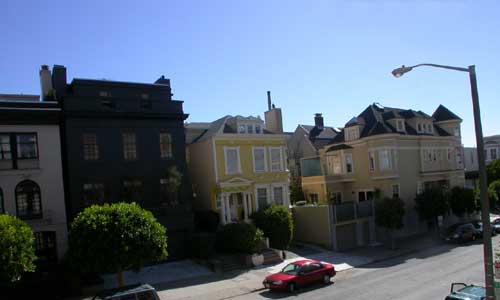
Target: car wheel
x,y
326,279
292,287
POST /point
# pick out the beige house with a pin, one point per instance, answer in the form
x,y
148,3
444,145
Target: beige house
x,y
238,165
491,153
31,180
397,151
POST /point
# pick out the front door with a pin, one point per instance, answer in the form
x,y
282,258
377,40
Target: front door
x,y
233,206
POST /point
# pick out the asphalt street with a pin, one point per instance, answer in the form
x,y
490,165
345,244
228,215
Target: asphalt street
x,y
423,275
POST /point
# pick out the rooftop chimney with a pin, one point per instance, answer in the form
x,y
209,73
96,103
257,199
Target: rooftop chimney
x,y
45,82
162,80
318,120
268,100
59,81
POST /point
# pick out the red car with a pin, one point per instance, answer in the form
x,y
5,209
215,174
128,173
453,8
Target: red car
x,y
298,274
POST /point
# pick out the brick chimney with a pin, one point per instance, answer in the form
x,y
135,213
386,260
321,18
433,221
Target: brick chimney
x,y
45,82
273,117
318,121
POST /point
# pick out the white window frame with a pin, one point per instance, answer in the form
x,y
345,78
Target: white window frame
x,y
265,159
346,155
259,127
283,198
381,161
281,167
226,149
238,128
371,161
400,125
399,189
336,193
495,151
268,198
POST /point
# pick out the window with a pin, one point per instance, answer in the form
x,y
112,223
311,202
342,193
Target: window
x,y
371,161
104,94
262,197
232,156
384,159
257,128
129,147
169,196
93,193
28,202
278,195
90,147
132,190
108,103
395,191
336,197
249,128
448,154
400,124
458,157
365,195
314,198
218,201
27,147
348,163
334,164
165,145
2,209
456,131
259,160
276,160
45,246
493,154
241,129
5,151
419,127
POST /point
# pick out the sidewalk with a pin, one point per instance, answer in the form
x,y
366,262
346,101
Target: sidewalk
x,y
215,287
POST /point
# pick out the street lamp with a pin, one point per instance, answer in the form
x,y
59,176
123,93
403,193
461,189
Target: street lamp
x,y
485,205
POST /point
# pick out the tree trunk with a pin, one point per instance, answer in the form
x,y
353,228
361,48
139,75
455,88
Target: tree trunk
x,y
119,277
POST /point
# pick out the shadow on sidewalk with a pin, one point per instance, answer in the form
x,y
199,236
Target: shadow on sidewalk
x,y
283,294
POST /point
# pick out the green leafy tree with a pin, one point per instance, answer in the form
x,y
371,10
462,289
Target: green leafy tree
x,y
296,193
432,203
494,189
492,197
389,213
17,248
493,171
462,201
238,238
113,238
277,223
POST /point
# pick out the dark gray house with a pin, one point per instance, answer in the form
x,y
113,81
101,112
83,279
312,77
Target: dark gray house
x,y
125,141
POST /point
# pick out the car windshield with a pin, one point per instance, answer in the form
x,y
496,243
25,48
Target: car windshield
x,y
290,269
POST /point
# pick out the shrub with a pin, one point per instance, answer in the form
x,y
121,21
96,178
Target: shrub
x,y
432,203
114,238
462,201
277,223
238,238
17,248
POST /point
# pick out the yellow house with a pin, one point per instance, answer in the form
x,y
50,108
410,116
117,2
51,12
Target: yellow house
x,y
238,165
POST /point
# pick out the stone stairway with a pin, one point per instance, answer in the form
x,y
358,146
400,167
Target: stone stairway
x,y
271,256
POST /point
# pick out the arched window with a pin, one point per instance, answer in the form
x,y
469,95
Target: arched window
x,y
2,208
28,201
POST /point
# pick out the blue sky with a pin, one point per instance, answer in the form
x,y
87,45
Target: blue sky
x,y
332,57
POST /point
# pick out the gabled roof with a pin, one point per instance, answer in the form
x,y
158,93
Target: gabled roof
x,y
444,114
319,137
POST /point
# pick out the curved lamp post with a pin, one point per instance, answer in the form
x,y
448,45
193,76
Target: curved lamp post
x,y
485,205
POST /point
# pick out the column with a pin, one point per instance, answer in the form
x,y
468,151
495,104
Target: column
x,y
245,206
228,208
222,208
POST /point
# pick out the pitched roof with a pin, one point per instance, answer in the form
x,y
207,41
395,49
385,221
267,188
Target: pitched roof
x,y
319,137
374,121
444,114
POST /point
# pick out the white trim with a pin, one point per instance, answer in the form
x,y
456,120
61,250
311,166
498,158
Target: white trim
x,y
215,160
226,149
371,155
261,186
399,189
280,149
344,156
266,169
389,159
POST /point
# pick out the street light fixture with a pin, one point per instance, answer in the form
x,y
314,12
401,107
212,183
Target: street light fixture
x,y
485,204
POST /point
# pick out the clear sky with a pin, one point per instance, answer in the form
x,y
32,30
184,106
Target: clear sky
x,y
331,57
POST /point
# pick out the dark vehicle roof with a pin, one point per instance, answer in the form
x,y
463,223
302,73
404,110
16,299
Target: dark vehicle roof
x,y
471,292
128,289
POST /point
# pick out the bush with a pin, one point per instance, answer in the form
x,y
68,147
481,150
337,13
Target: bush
x,y
238,238
462,201
17,248
277,223
206,220
114,238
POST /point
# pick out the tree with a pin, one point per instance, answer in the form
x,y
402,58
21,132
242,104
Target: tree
x,y
492,196
462,201
494,191
277,223
389,213
296,193
493,171
113,238
432,203
17,248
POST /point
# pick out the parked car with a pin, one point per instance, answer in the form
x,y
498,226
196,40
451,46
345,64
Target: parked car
x,y
135,292
496,225
478,225
298,274
461,291
461,233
